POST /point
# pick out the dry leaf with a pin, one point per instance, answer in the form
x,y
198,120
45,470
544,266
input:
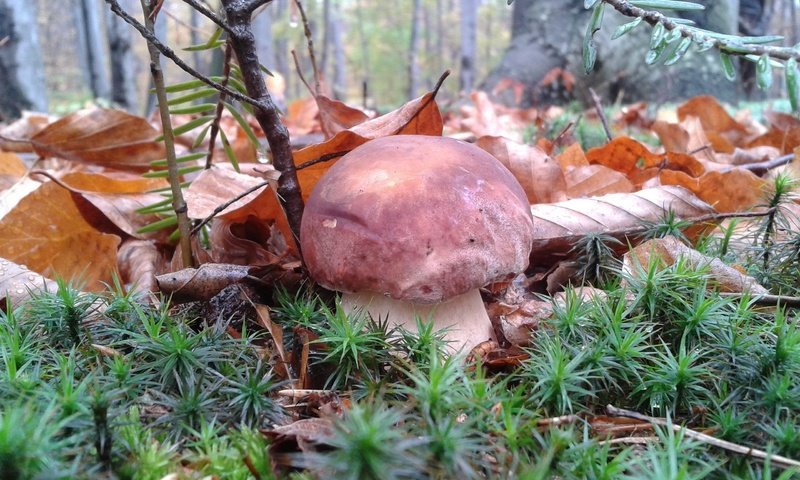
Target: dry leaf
x,y
734,190
335,116
417,117
17,283
572,157
630,157
138,262
722,130
594,180
11,169
302,117
23,129
687,136
540,176
202,283
669,250
559,226
47,232
109,138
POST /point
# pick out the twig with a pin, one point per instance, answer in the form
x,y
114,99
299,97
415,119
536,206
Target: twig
x,y
212,134
267,114
654,18
208,14
300,72
600,113
760,168
167,52
324,158
629,441
227,204
776,460
307,31
178,203
769,300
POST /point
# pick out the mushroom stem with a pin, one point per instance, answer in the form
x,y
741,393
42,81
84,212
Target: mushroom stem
x,y
465,315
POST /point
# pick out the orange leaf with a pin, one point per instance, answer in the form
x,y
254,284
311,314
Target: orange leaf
x,y
335,116
110,138
734,190
594,180
572,156
47,232
723,131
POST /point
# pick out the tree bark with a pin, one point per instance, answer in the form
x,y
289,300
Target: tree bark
x,y
22,85
123,60
548,34
413,51
469,38
92,48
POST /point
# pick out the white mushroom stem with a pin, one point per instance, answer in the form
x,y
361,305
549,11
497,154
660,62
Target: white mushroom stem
x,y
465,315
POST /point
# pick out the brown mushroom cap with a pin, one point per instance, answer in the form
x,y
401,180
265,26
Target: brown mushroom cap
x,y
417,218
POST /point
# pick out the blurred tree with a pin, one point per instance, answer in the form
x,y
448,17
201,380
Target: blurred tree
x,y
91,46
413,51
469,37
22,84
123,60
548,35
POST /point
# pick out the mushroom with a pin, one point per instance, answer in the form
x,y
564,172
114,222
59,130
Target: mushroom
x,y
413,225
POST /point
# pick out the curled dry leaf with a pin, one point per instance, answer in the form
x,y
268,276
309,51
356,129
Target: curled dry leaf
x,y
669,250
302,117
638,163
109,138
594,180
47,232
734,190
17,283
23,129
202,283
335,116
517,322
559,226
138,262
722,130
419,117
12,168
540,176
241,243
687,136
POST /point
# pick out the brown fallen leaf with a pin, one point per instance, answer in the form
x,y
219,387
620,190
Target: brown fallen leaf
x,y
733,190
594,180
138,262
47,232
23,129
638,163
17,283
202,283
723,131
418,117
335,116
11,169
109,138
687,136
559,226
302,117
667,251
540,176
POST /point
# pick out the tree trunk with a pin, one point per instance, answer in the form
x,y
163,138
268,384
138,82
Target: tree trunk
x,y
195,39
92,48
548,34
469,38
413,52
362,37
339,59
123,60
326,39
22,85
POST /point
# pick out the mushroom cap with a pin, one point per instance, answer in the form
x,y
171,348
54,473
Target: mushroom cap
x,y
417,218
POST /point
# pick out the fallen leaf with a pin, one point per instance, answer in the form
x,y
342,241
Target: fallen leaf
x,y
572,157
109,138
559,226
638,163
47,232
667,251
417,117
734,190
722,130
17,284
138,262
302,117
335,116
23,129
11,169
540,176
687,136
202,283
594,180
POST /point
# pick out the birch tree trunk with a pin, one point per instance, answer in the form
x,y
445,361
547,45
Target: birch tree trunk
x,y
469,38
123,60
413,52
22,85
92,48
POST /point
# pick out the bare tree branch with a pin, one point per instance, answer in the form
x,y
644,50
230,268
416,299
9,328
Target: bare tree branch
x,y
208,13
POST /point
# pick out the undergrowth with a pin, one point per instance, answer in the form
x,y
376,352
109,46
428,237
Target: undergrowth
x,y
101,386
